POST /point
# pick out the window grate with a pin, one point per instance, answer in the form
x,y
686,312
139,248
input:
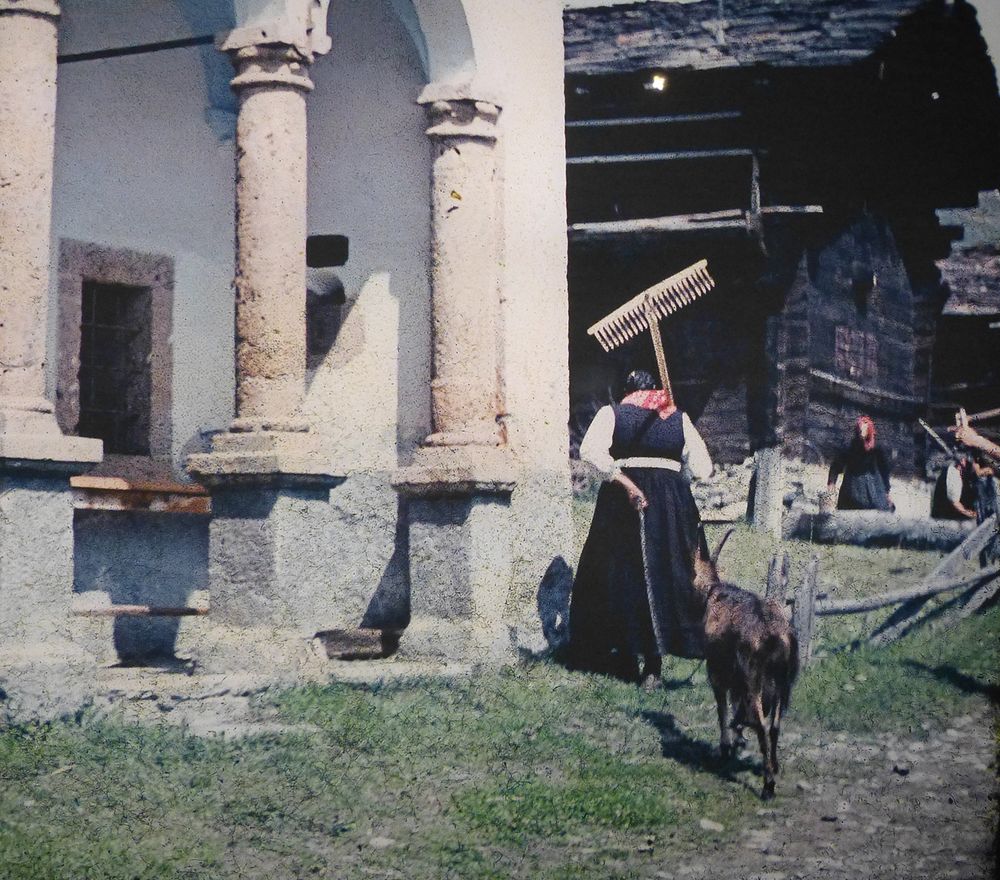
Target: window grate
x,y
114,376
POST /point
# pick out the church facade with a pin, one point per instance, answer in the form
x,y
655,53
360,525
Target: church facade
x,y
284,322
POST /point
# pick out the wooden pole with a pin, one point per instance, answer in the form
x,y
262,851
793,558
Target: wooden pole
x,y
777,578
983,416
924,591
768,500
804,610
140,611
661,357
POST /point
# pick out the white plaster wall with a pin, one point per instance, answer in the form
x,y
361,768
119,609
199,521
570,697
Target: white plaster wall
x,y
534,299
534,289
137,166
369,179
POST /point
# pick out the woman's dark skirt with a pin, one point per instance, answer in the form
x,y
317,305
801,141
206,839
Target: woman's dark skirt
x,y
864,491
610,620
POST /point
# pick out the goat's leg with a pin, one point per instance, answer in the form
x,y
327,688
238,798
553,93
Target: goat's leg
x,y
726,748
775,731
761,724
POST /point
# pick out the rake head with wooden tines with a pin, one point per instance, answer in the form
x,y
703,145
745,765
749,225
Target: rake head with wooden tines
x,y
644,311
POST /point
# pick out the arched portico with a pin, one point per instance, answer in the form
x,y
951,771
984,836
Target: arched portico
x,y
440,31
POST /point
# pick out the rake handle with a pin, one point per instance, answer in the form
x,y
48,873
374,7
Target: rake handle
x,y
661,358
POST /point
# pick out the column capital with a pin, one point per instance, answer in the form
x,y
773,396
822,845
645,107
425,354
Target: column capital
x,y
40,8
262,59
458,111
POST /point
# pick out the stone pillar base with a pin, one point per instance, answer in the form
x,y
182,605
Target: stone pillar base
x,y
461,559
268,553
268,549
457,470
262,457
43,675
30,439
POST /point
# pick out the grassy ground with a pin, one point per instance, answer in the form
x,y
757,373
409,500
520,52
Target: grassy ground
x,y
528,772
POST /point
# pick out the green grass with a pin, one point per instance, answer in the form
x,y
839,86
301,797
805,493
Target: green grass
x,y
527,772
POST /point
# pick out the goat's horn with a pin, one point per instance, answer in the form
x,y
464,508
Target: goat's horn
x,y
720,545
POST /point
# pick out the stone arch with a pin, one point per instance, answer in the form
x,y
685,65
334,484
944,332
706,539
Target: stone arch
x,y
440,30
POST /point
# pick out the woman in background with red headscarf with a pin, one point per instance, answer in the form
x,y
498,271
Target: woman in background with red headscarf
x,y
865,467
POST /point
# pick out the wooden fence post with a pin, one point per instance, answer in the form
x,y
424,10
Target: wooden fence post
x,y
769,485
901,621
804,610
777,578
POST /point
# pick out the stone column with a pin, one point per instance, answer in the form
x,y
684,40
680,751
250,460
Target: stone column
x,y
267,436
461,478
27,135
464,257
27,147
272,83
42,674
466,448
268,539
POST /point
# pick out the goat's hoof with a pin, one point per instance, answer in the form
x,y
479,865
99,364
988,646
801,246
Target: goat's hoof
x,y
768,792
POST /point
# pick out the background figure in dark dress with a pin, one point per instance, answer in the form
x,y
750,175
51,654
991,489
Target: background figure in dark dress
x,y
640,550
865,467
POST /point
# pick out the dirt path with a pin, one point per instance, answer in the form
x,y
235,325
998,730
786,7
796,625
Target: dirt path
x,y
883,806
849,807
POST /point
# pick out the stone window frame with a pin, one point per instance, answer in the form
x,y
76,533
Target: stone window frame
x,y
79,261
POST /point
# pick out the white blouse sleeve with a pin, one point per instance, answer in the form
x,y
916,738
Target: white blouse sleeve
x,y
595,447
695,457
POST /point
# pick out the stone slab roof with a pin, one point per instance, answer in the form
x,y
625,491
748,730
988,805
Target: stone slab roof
x,y
973,277
675,35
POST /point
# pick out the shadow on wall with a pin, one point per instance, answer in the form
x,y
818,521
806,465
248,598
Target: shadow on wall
x,y
141,558
389,607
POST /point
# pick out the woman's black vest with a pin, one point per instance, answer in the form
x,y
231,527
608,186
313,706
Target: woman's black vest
x,y
642,433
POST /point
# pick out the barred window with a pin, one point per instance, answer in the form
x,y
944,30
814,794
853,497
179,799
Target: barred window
x,y
115,363
114,366
855,354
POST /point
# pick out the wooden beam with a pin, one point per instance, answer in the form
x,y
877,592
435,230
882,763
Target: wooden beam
x,y
673,156
984,416
711,220
655,120
864,391
923,591
903,618
140,611
152,496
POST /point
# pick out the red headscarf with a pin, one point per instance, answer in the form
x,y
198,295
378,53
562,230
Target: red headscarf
x,y
655,398
867,441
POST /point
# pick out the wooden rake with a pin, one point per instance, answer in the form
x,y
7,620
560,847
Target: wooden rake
x,y
644,312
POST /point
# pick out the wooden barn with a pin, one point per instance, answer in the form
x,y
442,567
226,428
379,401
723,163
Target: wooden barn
x,y
803,148
966,363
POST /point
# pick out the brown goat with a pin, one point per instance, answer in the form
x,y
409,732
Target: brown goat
x,y
752,656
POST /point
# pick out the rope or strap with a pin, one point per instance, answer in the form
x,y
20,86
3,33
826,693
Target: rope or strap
x,y
661,643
